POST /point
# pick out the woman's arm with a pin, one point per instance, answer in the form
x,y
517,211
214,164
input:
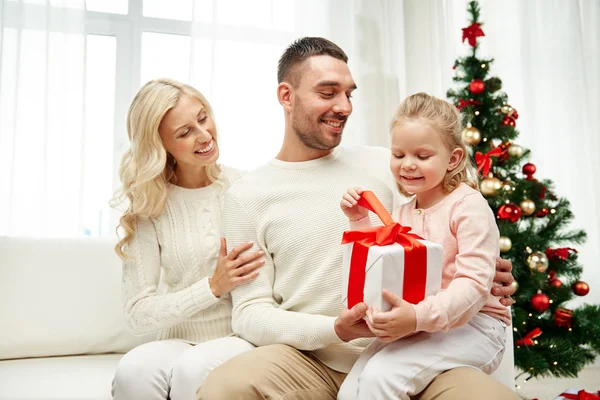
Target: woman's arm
x,y
145,310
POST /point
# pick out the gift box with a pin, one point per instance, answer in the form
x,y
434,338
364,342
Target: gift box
x,y
388,257
577,394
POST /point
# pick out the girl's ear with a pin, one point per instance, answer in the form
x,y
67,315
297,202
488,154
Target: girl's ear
x,y
455,158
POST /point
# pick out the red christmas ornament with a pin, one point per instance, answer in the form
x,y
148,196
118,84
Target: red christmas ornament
x,y
562,317
510,212
471,33
551,275
476,86
528,170
554,282
509,121
580,288
540,302
542,213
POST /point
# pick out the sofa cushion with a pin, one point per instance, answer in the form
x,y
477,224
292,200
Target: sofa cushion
x,y
61,297
79,377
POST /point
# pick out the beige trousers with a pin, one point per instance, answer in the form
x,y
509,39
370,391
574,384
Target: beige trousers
x,y
280,372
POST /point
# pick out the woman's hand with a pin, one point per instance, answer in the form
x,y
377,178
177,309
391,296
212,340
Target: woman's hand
x,y
234,269
350,206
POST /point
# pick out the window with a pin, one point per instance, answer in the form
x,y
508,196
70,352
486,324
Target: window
x,y
70,68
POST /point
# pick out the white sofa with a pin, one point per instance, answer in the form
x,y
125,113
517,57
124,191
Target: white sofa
x,y
61,326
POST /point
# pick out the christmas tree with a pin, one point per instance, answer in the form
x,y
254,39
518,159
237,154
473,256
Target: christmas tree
x,y
550,339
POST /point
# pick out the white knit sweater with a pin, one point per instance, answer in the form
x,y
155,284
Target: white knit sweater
x,y
165,284
291,210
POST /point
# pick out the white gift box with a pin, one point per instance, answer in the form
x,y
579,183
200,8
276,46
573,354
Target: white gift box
x,y
385,270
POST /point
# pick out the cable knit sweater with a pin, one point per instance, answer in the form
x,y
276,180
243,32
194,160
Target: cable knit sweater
x,y
291,210
179,249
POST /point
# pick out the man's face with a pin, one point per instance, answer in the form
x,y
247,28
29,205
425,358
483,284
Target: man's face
x,y
321,101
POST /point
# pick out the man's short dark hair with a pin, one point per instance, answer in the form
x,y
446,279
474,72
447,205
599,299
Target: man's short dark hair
x,y
301,50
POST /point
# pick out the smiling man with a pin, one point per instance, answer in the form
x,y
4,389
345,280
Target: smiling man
x,y
289,208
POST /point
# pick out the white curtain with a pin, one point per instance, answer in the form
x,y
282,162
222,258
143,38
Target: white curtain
x,y
42,126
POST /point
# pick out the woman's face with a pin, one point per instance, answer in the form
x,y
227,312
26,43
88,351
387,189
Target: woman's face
x,y
188,133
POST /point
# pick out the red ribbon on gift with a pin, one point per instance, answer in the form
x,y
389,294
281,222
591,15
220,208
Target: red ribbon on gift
x,y
528,339
415,253
582,395
484,161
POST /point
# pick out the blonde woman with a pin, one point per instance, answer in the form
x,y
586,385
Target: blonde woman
x,y
462,325
177,274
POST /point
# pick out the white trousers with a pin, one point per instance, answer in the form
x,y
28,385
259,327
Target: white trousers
x,y
171,369
405,367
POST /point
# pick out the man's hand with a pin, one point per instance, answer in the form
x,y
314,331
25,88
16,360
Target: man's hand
x,y
350,324
392,325
505,278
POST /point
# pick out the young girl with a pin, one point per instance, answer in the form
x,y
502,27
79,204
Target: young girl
x,y
463,324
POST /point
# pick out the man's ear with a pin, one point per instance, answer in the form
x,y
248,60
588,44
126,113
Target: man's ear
x,y
455,158
284,95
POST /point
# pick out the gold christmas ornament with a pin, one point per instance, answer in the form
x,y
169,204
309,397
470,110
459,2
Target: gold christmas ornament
x,y
507,109
514,150
505,244
537,261
509,186
490,186
471,136
527,207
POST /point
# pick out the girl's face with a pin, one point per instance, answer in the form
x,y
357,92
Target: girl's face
x,y
420,158
188,134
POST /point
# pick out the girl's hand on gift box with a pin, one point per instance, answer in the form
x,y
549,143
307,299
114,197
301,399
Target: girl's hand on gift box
x,y
392,325
350,206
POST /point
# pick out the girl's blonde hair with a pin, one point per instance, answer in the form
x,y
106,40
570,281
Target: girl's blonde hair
x,y
146,167
445,119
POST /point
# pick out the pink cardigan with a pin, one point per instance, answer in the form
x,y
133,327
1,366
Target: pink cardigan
x,y
465,226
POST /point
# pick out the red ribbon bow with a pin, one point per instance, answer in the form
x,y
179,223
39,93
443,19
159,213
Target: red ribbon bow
x,y
466,103
562,253
415,256
471,32
528,339
582,395
484,161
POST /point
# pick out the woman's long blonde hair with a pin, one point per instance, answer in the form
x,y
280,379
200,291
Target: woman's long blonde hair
x,y
445,119
146,167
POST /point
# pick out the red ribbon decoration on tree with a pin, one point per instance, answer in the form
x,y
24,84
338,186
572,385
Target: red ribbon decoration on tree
x,y
484,161
562,253
528,339
415,253
471,32
466,103
582,395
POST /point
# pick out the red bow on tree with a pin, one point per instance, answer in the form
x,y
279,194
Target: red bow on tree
x,y
484,161
471,33
528,339
466,103
562,253
582,395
